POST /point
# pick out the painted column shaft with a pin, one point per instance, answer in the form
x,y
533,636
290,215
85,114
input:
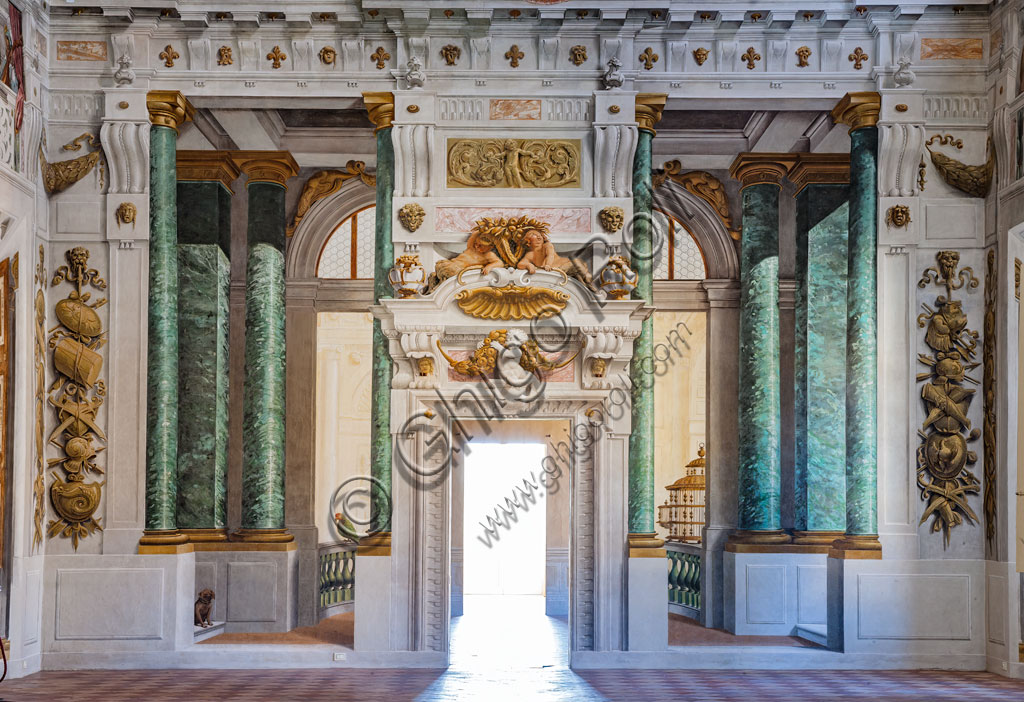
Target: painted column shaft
x,y
203,243
380,411
861,339
760,466
263,404
641,367
162,377
820,393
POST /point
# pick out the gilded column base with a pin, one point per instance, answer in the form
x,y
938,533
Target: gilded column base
x,y
646,545
163,541
857,546
205,535
817,538
378,544
762,541
262,536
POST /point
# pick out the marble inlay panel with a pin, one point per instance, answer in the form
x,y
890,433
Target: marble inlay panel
x,y
515,109
572,220
81,51
971,49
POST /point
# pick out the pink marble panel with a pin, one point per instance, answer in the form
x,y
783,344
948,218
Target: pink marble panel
x,y
560,219
559,375
81,51
515,109
970,49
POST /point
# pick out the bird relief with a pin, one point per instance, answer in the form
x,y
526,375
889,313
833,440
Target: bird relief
x,y
944,458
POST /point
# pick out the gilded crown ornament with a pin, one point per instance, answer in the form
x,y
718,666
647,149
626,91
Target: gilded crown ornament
x,y
617,279
408,277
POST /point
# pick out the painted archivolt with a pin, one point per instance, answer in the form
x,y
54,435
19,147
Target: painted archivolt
x,y
76,396
513,163
944,459
324,183
703,185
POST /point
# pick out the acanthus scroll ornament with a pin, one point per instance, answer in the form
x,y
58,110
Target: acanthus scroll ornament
x,y
944,459
76,395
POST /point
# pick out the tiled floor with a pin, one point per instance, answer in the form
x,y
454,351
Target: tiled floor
x,y
508,650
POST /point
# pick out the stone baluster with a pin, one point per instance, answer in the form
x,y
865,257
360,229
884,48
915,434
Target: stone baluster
x,y
263,404
760,467
168,109
644,250
822,215
860,111
204,246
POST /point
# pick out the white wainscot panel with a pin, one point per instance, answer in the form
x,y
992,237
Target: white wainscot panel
x,y
812,594
955,223
766,594
252,592
110,603
914,607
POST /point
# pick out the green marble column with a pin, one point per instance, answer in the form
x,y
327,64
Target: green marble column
x,y
204,234
820,363
380,411
860,111
861,337
760,459
263,403
641,367
168,109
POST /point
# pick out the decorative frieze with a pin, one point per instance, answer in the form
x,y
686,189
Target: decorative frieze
x,y
513,163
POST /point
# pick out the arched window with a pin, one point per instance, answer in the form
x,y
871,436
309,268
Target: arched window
x,y
348,253
677,256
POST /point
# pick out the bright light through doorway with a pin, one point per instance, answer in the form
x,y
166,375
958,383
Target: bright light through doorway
x,y
514,562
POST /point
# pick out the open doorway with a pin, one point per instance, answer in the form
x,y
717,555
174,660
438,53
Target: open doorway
x,y
510,538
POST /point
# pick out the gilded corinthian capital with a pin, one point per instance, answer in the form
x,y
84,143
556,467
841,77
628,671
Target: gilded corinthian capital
x,y
168,108
381,109
858,110
758,168
648,110
266,166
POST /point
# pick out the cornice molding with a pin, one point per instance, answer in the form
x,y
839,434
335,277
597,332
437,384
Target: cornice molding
x,y
858,110
168,108
208,166
819,169
381,109
266,166
754,168
649,107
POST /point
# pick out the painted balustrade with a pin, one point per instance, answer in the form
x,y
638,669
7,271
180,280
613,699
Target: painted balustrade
x,y
684,577
337,576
